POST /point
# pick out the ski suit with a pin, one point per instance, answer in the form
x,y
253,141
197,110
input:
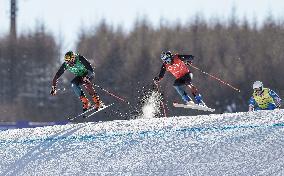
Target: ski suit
x,y
178,68
81,68
267,100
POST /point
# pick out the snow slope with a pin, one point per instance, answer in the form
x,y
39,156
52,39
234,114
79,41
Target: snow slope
x,y
227,144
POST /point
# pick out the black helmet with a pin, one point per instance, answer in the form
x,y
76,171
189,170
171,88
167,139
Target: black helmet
x,y
167,57
69,56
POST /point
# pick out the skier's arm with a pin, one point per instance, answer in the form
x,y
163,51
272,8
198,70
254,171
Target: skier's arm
x,y
56,77
86,63
186,58
90,75
161,74
251,104
276,98
58,74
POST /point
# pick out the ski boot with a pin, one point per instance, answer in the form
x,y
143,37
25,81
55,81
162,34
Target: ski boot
x,y
188,100
97,102
199,100
86,103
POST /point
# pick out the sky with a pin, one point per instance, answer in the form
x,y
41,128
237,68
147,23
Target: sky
x,y
65,18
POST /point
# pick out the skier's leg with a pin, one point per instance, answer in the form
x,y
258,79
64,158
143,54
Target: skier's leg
x,y
194,90
75,84
90,89
196,94
178,85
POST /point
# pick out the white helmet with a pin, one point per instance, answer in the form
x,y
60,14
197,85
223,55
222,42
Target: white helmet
x,y
257,85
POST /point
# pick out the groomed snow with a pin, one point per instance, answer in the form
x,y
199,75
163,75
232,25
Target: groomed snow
x,y
248,143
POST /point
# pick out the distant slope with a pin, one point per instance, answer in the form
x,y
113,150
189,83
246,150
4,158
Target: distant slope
x,y
227,144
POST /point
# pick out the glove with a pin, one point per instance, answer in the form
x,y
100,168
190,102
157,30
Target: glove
x,y
191,57
89,77
251,108
157,80
53,90
188,62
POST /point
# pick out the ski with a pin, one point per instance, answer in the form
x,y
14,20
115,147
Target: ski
x,y
194,106
100,109
86,112
83,113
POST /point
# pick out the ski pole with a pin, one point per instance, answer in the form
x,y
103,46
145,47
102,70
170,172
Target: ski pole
x,y
162,102
111,94
61,89
218,79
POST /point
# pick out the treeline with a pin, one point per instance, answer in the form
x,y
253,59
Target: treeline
x,y
126,62
27,63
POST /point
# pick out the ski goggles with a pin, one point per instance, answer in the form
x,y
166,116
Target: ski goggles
x,y
69,58
257,89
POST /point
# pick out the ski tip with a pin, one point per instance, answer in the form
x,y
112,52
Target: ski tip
x,y
70,119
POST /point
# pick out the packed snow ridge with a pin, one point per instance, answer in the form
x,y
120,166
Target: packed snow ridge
x,y
246,143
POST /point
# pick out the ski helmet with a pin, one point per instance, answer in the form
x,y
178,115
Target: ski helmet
x,y
257,85
167,57
69,56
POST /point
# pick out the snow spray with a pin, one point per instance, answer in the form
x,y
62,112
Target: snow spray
x,y
151,104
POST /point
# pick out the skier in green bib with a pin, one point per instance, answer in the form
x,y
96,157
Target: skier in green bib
x,y
84,74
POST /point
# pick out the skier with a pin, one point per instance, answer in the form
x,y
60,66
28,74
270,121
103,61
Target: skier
x,y
263,98
177,65
84,74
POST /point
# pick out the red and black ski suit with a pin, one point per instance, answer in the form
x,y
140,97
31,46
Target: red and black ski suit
x,y
179,69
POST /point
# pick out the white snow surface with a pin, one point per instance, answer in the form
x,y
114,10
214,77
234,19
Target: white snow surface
x,y
247,143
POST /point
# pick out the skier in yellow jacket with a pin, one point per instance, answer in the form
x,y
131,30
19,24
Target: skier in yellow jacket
x,y
263,98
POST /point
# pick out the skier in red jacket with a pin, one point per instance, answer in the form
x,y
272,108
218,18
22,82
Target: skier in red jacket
x,y
177,65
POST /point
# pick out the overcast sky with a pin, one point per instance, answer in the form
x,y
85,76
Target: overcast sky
x,y
65,17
